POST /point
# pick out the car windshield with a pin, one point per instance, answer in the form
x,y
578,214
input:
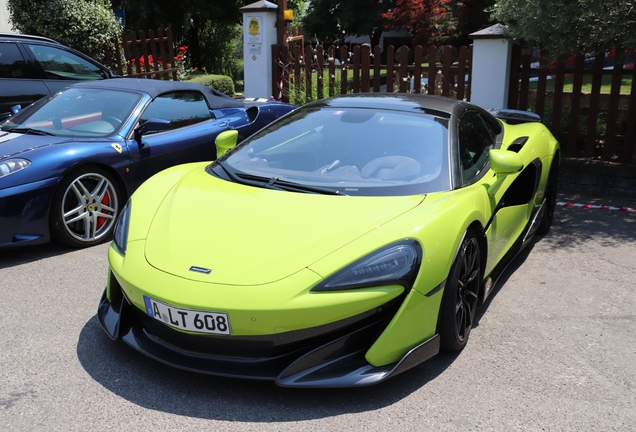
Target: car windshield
x,y
351,151
77,112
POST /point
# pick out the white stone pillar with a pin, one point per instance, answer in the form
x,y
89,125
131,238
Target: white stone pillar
x,y
259,34
490,74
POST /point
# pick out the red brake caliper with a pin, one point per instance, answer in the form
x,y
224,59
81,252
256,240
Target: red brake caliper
x,y
101,220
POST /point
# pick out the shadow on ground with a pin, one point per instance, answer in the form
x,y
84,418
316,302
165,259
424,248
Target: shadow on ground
x,y
153,385
28,254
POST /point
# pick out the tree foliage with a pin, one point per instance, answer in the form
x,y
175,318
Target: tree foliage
x,y
86,25
429,21
331,20
438,21
570,26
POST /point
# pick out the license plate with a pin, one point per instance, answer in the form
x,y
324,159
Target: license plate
x,y
186,319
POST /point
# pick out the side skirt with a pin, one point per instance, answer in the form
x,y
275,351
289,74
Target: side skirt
x,y
524,240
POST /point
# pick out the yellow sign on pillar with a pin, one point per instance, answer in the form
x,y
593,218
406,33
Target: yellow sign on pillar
x,y
254,30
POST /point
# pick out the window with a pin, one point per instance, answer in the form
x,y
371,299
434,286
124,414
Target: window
x,y
183,108
475,140
59,64
12,64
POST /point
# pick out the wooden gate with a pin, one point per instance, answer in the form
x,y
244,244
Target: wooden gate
x,y
582,99
302,74
144,56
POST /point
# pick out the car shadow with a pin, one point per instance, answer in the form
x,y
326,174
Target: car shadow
x,y
28,254
573,228
153,385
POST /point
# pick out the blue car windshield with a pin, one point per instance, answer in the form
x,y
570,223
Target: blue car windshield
x,y
77,112
354,151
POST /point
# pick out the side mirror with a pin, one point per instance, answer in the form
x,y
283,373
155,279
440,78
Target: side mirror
x,y
225,141
152,125
504,163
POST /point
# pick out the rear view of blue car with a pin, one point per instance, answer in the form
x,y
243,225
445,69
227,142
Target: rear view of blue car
x,y
69,162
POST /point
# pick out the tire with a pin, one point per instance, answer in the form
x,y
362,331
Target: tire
x,y
550,198
461,295
84,208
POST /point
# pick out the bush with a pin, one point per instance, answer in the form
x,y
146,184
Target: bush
x,y
222,83
86,25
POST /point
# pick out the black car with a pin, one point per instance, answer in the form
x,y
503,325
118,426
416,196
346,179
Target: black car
x,y
34,66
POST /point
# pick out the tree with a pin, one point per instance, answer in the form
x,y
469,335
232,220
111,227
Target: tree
x,y
438,21
86,25
332,20
429,21
566,27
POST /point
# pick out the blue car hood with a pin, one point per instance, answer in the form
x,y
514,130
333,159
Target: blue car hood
x,y
13,144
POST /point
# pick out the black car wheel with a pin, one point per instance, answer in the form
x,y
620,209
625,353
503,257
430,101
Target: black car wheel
x,y
550,198
84,208
461,295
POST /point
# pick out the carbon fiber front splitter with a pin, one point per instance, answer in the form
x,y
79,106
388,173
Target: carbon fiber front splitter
x,y
335,359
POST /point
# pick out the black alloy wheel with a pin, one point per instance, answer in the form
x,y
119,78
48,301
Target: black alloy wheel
x,y
461,295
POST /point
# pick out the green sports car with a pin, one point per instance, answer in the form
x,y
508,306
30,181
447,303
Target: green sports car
x,y
343,244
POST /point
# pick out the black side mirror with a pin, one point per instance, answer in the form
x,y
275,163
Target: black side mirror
x,y
151,126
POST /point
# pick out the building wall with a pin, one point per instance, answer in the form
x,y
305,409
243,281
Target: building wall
x,y
5,24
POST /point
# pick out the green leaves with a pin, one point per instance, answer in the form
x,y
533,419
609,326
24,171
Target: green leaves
x,y
570,26
86,25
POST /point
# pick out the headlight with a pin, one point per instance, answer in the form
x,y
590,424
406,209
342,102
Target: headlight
x,y
394,264
120,235
10,166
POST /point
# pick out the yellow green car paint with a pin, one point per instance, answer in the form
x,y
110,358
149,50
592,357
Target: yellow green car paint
x,y
264,266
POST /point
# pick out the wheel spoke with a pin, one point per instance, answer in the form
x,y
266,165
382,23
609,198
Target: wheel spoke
x,y
101,189
84,194
469,311
89,228
460,318
104,210
472,276
472,255
81,216
101,214
76,210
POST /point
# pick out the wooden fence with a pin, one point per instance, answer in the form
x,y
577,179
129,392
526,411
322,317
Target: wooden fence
x,y
144,56
310,73
588,124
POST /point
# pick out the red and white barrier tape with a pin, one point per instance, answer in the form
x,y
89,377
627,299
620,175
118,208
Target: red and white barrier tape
x,y
596,206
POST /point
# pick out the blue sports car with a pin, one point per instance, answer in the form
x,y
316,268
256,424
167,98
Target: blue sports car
x,y
69,162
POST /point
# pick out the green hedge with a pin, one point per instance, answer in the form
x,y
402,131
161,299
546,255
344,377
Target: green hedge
x,y
222,83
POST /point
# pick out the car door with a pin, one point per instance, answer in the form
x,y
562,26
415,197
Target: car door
x,y
19,82
509,204
189,138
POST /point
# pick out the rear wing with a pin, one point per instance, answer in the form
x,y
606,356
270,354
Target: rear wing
x,y
513,116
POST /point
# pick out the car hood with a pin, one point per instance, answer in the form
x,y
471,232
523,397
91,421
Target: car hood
x,y
250,236
13,144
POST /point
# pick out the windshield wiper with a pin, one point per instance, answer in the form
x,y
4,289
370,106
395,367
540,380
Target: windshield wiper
x,y
274,182
30,131
248,180
299,187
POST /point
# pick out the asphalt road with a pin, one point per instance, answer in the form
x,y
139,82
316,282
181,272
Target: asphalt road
x,y
554,350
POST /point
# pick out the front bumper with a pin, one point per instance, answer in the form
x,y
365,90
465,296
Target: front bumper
x,y
331,355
